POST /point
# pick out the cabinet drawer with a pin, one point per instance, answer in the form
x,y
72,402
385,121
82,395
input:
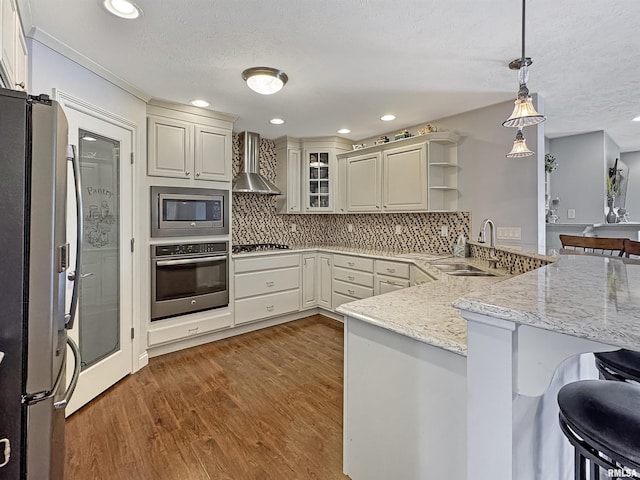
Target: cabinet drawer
x,y
357,263
352,290
264,306
268,281
389,284
353,276
392,269
265,263
184,329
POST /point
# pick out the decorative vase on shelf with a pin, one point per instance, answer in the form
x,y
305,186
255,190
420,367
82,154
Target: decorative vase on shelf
x,y
612,217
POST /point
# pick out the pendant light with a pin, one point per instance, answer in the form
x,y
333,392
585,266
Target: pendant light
x,y
520,148
524,113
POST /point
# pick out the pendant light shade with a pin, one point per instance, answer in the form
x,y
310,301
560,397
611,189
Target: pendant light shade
x,y
520,148
265,80
524,113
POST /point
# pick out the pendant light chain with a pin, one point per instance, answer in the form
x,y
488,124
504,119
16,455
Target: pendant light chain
x,y
524,59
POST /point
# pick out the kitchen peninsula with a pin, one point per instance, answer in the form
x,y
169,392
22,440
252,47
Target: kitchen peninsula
x,y
494,407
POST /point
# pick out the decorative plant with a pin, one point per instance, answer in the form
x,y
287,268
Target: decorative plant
x,y
614,181
550,163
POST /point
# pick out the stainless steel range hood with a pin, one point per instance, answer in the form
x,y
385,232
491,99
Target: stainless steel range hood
x,y
249,179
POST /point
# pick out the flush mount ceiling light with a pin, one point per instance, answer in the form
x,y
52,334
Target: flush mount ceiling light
x,y
344,131
524,113
520,148
276,121
387,118
122,8
637,119
200,103
265,80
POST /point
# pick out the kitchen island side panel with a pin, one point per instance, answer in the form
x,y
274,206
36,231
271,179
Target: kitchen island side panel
x,y
404,407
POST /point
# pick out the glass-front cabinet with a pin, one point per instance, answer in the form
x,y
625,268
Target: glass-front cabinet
x,y
319,194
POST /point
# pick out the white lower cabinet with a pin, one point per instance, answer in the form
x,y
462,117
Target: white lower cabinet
x,y
352,279
324,280
266,286
178,329
391,276
419,277
265,306
309,282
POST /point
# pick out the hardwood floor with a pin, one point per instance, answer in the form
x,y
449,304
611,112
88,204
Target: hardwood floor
x,y
264,405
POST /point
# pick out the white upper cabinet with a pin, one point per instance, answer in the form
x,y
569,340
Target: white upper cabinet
x,y
405,178
169,147
307,174
211,145
416,174
13,62
364,183
288,175
187,142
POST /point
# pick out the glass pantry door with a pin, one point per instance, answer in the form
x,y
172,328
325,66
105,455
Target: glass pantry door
x,y
104,318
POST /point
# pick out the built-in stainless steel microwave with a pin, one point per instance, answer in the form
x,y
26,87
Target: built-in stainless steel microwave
x,y
183,211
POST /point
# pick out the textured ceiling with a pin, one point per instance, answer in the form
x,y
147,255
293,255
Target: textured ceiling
x,y
350,61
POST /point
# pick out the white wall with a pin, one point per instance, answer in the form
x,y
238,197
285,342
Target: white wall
x,y
579,180
48,70
509,191
632,160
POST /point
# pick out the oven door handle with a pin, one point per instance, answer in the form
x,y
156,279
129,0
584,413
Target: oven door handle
x,y
187,261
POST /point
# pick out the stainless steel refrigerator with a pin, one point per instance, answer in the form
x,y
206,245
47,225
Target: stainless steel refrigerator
x,y
34,256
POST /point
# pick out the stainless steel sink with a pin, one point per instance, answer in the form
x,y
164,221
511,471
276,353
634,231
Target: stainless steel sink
x,y
462,270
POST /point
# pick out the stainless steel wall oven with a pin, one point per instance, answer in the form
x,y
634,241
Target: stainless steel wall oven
x,y
188,278
184,211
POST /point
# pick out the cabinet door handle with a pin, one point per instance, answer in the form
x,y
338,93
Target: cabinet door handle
x,y
269,283
270,308
389,282
377,206
351,264
197,174
351,277
191,331
391,270
21,85
351,292
187,173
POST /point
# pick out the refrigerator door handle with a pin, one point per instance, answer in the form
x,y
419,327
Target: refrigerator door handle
x,y
74,276
74,379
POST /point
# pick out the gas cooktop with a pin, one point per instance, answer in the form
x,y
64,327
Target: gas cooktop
x,y
257,247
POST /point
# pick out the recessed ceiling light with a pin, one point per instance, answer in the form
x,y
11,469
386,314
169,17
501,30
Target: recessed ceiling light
x,y
344,131
276,121
388,118
200,103
265,80
637,119
122,8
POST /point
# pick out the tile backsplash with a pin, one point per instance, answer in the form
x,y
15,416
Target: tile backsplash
x,y
255,220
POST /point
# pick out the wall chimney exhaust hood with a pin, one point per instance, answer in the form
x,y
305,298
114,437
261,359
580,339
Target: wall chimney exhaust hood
x,y
249,179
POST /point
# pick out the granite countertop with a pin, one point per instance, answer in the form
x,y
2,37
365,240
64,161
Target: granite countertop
x,y
591,297
425,312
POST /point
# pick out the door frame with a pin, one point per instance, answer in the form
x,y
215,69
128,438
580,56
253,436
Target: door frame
x,y
139,356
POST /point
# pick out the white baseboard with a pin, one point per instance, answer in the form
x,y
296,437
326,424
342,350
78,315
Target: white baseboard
x,y
231,332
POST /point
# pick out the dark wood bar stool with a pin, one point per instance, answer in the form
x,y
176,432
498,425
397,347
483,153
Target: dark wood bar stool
x,y
599,245
601,420
631,247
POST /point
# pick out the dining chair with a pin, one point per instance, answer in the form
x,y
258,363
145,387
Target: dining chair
x,y
598,245
631,247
